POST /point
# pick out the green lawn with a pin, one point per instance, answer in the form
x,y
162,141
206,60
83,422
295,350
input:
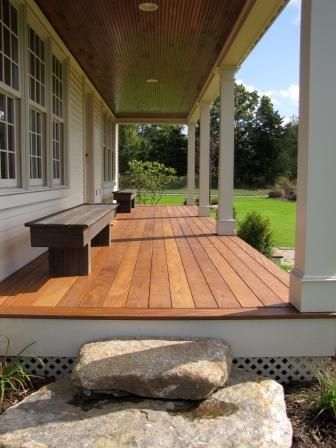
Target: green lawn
x,y
281,213
214,192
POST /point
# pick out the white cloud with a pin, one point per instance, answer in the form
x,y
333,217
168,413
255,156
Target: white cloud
x,y
291,93
283,98
296,4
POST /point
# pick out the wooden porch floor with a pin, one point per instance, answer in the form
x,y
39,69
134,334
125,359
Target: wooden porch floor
x,y
164,262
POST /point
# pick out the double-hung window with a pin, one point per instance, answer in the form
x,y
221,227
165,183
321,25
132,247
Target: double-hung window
x,y
37,108
9,95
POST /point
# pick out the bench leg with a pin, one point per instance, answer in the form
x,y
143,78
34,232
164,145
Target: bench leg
x,y
133,203
124,207
69,261
103,238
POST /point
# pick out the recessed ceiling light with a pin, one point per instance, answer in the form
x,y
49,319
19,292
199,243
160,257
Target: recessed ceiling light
x,y
148,6
151,80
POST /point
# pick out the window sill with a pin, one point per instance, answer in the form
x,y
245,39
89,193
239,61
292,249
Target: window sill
x,y
18,197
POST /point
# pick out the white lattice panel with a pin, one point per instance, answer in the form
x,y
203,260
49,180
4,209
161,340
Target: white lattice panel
x,y
282,370
48,367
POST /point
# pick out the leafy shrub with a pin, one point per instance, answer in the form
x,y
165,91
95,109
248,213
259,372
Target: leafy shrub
x,y
13,375
256,231
275,194
196,201
283,188
325,401
150,179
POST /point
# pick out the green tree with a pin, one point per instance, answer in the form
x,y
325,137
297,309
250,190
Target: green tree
x,y
165,144
290,147
267,133
246,103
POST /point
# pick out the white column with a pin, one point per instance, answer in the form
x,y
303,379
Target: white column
x,y
313,280
115,128
204,165
191,164
225,222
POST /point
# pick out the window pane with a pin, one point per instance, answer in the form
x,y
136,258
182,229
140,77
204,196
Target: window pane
x,y
37,144
57,87
11,165
7,137
5,12
3,145
9,46
2,107
7,71
36,68
13,20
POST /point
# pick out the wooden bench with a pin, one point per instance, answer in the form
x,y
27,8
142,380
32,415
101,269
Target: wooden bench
x,y
126,199
69,235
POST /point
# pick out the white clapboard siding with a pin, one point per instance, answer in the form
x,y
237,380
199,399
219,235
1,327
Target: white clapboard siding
x,y
15,248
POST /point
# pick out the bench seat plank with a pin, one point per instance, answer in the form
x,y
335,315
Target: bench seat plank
x,y
69,235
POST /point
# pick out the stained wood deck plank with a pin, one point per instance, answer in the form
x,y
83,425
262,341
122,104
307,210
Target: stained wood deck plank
x,y
138,296
164,262
259,288
181,296
243,293
159,294
117,294
222,293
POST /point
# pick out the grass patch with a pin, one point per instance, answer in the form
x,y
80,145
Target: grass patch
x,y
214,191
281,214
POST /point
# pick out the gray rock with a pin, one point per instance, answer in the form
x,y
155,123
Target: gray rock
x,y
155,368
249,413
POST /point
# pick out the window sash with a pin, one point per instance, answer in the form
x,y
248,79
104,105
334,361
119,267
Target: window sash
x,y
58,152
37,147
9,156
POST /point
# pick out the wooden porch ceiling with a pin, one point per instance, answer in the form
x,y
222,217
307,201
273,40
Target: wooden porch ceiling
x,y
164,263
120,47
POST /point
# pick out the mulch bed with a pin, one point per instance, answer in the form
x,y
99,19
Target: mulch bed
x,y
307,431
12,397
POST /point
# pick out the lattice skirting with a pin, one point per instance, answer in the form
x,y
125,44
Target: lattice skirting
x,y
280,369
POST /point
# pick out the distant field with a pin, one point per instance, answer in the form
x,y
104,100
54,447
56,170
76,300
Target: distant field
x,y
281,213
214,192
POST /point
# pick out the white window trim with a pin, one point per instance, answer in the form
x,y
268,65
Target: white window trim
x,y
107,148
23,183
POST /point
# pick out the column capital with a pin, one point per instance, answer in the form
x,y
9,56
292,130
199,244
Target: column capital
x,y
204,103
227,71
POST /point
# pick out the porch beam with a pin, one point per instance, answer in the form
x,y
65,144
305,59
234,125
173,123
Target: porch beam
x,y
191,164
225,222
204,165
313,280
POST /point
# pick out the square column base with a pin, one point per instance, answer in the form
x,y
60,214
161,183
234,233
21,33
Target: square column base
x,y
204,210
225,227
190,201
310,293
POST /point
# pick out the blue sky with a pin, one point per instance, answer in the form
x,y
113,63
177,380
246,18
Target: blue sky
x,y
272,67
